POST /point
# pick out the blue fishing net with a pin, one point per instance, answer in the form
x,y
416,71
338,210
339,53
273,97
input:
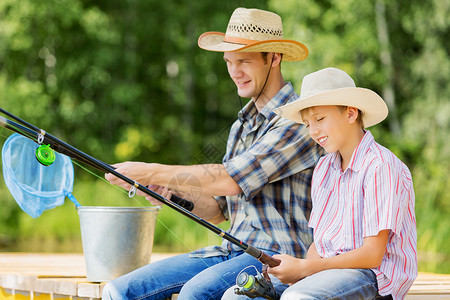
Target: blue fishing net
x,y
35,187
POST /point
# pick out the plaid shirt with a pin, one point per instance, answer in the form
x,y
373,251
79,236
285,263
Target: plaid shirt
x,y
272,159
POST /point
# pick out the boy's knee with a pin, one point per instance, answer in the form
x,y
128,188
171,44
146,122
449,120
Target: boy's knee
x,y
295,295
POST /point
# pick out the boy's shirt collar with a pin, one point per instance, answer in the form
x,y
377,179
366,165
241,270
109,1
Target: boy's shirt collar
x,y
357,159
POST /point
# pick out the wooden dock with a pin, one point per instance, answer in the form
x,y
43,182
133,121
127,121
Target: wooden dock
x,y
40,276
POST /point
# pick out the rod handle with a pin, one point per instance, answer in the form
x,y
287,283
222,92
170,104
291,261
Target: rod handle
x,y
266,259
188,205
262,257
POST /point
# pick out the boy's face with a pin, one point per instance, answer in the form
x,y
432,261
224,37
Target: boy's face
x,y
248,70
328,126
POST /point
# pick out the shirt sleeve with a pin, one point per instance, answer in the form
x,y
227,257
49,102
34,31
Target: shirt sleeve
x,y
222,202
384,200
282,151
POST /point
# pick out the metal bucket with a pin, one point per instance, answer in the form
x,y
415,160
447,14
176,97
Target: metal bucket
x,y
116,240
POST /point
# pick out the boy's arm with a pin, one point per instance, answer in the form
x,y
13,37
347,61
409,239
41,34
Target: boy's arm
x,y
368,256
312,252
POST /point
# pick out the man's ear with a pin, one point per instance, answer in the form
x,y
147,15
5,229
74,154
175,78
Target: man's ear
x,y
352,114
276,59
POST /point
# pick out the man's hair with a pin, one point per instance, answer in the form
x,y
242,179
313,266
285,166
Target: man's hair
x,y
265,54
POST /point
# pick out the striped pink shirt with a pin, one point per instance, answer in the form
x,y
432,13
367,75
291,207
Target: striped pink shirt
x,y
374,193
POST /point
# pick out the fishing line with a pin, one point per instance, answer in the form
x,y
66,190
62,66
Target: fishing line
x,y
30,148
114,186
177,237
267,78
134,198
43,138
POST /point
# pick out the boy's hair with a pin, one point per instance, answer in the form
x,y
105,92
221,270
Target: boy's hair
x,y
341,108
359,119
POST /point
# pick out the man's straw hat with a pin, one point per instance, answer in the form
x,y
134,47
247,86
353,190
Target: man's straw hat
x,y
253,30
332,86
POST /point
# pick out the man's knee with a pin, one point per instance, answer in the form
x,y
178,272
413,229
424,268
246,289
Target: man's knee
x,y
110,292
230,295
202,289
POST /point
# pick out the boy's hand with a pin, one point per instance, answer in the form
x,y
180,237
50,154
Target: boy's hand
x,y
291,269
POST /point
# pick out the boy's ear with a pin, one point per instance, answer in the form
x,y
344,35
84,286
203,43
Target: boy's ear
x,y
352,114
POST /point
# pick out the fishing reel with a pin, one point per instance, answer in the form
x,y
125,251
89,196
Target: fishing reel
x,y
255,286
45,155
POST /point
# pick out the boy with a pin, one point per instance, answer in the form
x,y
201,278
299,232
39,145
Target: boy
x,y
363,199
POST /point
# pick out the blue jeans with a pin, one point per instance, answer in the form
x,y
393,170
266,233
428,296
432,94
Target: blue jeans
x,y
329,284
191,277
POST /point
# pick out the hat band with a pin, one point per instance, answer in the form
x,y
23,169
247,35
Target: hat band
x,y
237,40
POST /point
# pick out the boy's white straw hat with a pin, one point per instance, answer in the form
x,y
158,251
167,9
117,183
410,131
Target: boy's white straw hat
x,y
332,86
253,30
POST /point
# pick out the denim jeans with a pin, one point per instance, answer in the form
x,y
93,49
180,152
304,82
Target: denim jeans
x,y
329,284
191,277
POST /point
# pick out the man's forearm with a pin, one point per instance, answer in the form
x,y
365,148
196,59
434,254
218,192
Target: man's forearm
x,y
208,179
207,208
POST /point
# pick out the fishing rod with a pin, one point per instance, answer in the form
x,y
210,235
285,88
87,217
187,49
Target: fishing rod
x,y
46,157
43,138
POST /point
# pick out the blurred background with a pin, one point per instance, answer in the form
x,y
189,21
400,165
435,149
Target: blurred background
x,y
125,80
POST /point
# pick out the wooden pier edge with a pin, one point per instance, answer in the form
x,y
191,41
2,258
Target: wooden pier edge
x,y
42,276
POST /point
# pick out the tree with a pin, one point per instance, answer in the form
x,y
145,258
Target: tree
x,y
119,80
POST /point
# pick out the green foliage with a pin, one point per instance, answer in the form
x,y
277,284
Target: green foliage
x,y
118,80
416,65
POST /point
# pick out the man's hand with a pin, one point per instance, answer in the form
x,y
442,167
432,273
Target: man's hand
x,y
161,190
137,171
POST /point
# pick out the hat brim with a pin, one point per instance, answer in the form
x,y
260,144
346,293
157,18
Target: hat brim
x,y
292,50
370,103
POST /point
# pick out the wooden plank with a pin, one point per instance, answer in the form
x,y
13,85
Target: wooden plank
x,y
62,286
87,289
427,297
45,274
52,276
48,264
17,281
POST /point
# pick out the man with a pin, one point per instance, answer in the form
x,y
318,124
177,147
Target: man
x,y
263,184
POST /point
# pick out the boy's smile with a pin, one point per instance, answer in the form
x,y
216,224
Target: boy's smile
x,y
321,141
334,129
324,126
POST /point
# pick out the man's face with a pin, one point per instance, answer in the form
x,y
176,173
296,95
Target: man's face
x,y
248,70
